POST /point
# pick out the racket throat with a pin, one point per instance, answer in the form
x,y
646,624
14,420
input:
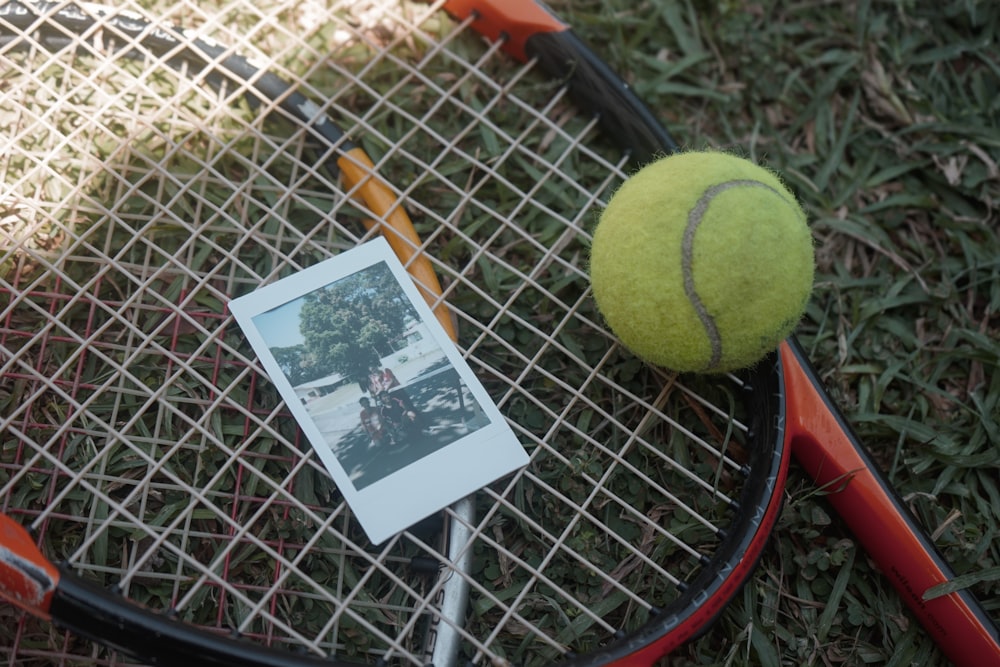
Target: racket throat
x,y
446,637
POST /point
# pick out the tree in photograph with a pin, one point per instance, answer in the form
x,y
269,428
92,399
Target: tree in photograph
x,y
294,363
350,324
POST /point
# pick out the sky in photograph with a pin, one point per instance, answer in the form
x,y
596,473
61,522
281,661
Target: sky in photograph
x,y
280,326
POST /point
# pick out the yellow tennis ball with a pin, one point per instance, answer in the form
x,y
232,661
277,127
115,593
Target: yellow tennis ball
x,y
702,262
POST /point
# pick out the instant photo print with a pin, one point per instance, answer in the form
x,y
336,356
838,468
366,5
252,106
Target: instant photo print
x,y
381,392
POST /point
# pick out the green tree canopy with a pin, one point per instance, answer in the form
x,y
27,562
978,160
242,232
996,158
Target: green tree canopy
x,y
350,324
293,361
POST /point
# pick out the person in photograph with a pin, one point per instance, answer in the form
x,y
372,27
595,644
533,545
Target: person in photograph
x,y
394,401
381,379
371,421
400,419
382,382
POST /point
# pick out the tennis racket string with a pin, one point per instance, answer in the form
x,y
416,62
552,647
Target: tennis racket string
x,y
143,443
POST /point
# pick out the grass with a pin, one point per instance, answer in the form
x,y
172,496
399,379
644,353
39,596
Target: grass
x,y
883,118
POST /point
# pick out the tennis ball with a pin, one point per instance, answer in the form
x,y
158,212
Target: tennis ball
x,y
702,261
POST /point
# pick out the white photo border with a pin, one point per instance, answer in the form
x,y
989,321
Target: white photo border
x,y
399,499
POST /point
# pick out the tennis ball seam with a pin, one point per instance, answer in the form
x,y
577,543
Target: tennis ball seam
x,y
695,217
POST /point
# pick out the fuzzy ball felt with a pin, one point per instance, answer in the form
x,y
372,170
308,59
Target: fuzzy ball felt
x,y
702,261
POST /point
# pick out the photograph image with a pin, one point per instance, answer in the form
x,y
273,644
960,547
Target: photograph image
x,y
378,387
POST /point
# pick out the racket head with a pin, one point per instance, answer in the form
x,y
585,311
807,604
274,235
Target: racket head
x,y
148,449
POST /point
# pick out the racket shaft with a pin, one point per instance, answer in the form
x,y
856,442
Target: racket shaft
x,y
825,446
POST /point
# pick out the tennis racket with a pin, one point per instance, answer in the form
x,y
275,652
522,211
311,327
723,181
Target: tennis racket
x,y
154,173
